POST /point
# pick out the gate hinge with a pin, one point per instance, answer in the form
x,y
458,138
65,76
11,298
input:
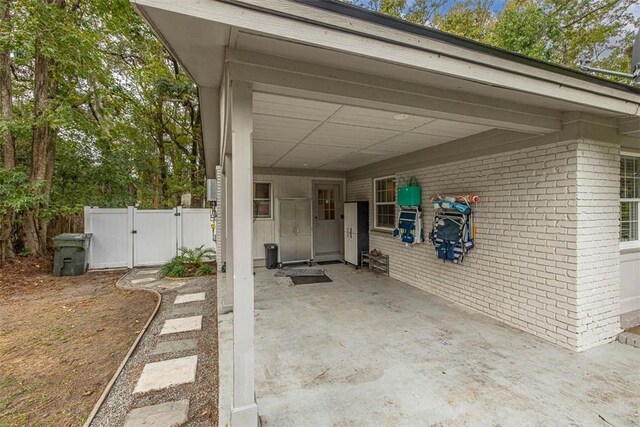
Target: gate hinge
x,y
134,231
177,214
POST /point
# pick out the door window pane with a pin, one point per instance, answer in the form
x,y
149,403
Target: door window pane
x,y
326,205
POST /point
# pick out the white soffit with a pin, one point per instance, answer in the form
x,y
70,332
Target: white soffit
x,y
283,48
299,133
198,44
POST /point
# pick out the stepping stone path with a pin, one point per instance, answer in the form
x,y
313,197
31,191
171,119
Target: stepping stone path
x,y
182,324
175,346
184,298
171,372
183,310
163,415
159,375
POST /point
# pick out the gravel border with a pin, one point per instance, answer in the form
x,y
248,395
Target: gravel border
x,y
203,394
109,386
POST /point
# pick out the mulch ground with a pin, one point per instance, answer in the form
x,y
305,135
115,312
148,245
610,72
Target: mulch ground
x,y
61,340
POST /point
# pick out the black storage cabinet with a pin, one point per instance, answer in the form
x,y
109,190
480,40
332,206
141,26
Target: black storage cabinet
x,y
271,255
71,254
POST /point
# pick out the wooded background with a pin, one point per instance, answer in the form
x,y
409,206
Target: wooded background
x,y
94,111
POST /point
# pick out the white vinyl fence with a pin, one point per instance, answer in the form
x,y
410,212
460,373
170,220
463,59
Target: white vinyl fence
x,y
131,237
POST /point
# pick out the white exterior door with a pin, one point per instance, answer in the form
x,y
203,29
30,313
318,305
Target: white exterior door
x,y
327,236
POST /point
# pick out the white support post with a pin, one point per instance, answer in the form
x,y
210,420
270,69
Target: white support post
x,y
244,412
226,295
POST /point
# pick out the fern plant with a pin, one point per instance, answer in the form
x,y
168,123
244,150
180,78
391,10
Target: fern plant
x,y
190,262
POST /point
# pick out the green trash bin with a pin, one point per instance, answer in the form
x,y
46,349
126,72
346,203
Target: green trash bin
x,y
71,254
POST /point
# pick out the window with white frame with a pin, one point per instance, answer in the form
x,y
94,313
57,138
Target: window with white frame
x,y
384,202
629,198
262,200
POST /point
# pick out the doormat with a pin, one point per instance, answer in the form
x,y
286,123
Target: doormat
x,y
292,272
329,262
308,280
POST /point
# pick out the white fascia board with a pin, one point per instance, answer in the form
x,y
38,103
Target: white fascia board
x,y
397,36
426,54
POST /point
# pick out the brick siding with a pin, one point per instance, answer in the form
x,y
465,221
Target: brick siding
x,y
546,256
219,219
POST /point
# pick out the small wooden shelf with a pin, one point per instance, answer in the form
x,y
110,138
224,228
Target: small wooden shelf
x,y
377,263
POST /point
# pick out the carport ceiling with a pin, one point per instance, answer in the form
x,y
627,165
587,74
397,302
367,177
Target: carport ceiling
x,y
307,134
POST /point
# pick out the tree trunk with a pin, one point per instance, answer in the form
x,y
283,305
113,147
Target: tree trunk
x,y
34,228
8,139
161,193
197,158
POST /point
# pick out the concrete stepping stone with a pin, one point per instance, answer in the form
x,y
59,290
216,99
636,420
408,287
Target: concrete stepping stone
x,y
159,375
145,280
182,324
182,310
167,414
174,346
185,298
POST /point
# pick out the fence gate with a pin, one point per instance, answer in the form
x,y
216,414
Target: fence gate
x,y
131,237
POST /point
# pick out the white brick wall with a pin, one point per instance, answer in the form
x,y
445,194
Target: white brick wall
x,y
546,250
598,291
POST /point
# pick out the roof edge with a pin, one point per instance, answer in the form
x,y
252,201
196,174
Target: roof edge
x,y
401,25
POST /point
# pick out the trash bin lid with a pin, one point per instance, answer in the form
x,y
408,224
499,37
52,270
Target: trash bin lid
x,y
73,236
270,246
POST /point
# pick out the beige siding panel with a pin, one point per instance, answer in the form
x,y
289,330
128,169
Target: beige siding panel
x,y
283,186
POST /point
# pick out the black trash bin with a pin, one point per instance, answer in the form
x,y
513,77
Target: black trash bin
x,y
71,254
271,255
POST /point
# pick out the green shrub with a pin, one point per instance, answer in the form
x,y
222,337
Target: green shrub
x,y
204,270
189,262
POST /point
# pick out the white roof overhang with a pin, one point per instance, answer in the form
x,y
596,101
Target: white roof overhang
x,y
298,50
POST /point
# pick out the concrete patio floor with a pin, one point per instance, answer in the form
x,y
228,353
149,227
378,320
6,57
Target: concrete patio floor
x,y
372,351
